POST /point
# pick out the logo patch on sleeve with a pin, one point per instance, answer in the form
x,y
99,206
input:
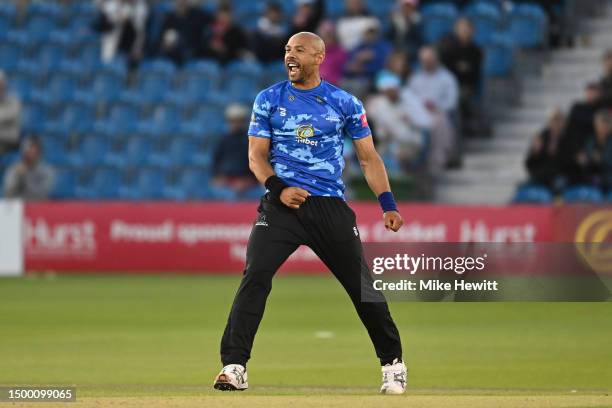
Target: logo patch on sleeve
x,y
364,120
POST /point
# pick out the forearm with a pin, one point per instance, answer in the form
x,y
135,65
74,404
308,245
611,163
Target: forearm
x,y
261,168
376,174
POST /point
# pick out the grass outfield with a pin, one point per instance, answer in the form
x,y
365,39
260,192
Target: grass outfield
x,y
154,340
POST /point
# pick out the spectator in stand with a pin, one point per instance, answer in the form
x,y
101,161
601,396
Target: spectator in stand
x,y
10,117
578,129
30,178
230,164
271,34
397,62
366,60
401,120
123,27
353,24
227,42
406,31
595,161
543,161
183,31
308,16
434,83
438,88
460,54
332,67
606,81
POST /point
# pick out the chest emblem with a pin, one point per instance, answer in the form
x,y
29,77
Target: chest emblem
x,y
303,133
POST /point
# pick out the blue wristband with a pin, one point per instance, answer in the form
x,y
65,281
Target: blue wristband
x,y
387,202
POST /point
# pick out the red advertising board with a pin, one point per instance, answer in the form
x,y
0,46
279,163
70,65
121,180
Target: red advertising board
x,y
212,237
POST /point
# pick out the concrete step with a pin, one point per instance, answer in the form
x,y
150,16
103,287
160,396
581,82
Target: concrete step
x,y
505,144
494,194
517,129
576,54
491,160
506,176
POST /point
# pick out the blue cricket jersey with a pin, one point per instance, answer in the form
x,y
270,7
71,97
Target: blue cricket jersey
x,y
307,129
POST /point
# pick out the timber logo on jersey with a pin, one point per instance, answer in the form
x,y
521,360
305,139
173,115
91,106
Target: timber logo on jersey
x,y
304,132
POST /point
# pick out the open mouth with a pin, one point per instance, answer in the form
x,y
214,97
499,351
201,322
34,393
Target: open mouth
x,y
293,68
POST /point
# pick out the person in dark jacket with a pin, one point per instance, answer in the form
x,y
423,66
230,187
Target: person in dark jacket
x,y
463,57
406,32
595,160
542,161
270,34
227,40
183,32
230,160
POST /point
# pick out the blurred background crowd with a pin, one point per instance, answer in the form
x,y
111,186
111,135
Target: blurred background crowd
x,y
136,99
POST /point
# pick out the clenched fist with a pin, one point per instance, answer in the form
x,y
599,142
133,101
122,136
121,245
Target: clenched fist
x,y
393,220
293,197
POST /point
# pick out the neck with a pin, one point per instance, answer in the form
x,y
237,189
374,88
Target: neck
x,y
309,83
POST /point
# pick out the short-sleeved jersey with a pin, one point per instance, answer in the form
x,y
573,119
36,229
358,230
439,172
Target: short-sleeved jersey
x,y
307,129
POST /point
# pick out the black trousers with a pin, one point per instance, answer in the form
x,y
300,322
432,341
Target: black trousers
x,y
327,225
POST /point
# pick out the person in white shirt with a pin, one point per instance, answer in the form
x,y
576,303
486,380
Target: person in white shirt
x,y
434,83
10,117
123,24
401,120
438,88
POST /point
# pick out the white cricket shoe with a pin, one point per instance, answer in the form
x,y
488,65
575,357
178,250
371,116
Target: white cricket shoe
x,y
394,378
233,377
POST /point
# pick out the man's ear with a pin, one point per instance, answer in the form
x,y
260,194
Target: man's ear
x,y
320,57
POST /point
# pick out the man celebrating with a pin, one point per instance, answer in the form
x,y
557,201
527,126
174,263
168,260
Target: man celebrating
x,y
295,149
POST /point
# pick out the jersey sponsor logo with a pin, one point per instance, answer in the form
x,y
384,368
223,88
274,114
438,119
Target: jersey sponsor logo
x,y
364,120
304,132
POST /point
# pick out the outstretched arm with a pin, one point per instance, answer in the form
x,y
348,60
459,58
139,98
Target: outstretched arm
x,y
376,176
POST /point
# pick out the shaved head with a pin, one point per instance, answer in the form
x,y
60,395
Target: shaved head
x,y
306,37
304,53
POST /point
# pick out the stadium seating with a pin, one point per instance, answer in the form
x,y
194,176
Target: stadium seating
x,y
583,194
97,116
534,194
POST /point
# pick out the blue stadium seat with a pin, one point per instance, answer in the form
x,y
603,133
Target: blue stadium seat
x,y
125,117
107,183
74,118
498,56
487,18
106,88
160,67
532,193
9,56
273,73
54,151
149,185
334,9
137,151
47,9
92,152
253,193
178,152
66,40
64,185
8,10
61,87
210,119
39,27
153,88
33,118
21,84
438,20
166,120
5,25
583,194
528,24
82,10
49,57
222,193
192,184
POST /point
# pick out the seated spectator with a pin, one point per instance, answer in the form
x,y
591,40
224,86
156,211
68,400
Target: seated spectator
x,y
270,34
332,67
123,27
230,160
463,58
364,62
605,83
438,88
10,117
354,23
183,31
578,129
228,41
30,178
406,31
397,62
308,16
434,83
543,162
595,161
401,120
